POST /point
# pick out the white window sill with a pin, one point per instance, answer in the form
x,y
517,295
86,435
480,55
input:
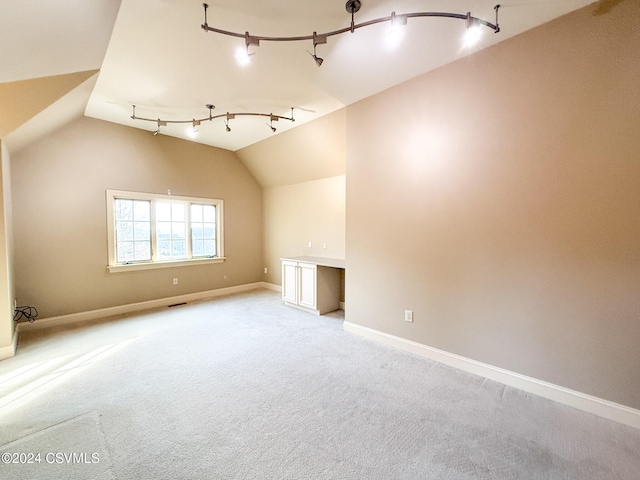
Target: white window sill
x,y
130,267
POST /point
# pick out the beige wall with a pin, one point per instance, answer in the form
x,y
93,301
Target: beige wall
x,y
504,209
60,226
305,212
308,152
6,251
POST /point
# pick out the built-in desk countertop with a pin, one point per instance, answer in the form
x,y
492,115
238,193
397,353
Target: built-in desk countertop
x,y
320,261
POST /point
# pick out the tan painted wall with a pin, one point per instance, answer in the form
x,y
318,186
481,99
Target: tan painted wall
x,y
308,152
504,209
6,251
305,212
60,226
24,99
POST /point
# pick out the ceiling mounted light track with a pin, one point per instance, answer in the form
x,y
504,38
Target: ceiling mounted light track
x,y
227,116
352,6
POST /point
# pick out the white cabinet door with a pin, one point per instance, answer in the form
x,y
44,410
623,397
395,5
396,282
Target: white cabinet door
x,y
310,287
307,285
290,281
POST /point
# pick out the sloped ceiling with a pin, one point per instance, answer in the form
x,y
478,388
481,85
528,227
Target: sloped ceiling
x,y
24,99
312,151
164,63
46,120
49,50
155,55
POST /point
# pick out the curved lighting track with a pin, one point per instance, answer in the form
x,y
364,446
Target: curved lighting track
x,y
352,6
228,116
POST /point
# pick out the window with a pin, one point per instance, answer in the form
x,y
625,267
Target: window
x,y
151,231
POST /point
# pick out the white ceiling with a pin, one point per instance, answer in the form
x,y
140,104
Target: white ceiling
x,y
43,38
160,59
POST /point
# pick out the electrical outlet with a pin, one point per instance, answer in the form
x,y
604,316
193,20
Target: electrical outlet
x,y
324,245
309,244
175,281
408,316
265,269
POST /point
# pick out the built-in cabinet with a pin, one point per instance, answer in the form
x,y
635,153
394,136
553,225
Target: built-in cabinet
x,y
312,283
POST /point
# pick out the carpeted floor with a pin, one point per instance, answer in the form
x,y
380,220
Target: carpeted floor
x,y
242,387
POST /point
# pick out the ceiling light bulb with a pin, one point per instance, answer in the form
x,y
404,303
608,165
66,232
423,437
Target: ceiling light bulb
x,y
394,37
243,56
396,30
472,36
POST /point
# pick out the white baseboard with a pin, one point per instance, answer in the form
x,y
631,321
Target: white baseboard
x,y
135,307
278,288
272,286
597,406
9,351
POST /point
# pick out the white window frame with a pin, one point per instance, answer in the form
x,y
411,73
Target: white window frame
x,y
113,266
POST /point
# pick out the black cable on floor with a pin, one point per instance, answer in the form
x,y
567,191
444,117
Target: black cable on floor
x,y
30,313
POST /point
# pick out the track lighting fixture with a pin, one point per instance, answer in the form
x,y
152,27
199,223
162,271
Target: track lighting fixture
x,y
316,40
473,33
161,123
270,124
353,6
398,20
193,132
227,116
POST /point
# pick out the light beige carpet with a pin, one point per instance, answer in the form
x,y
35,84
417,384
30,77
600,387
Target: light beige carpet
x,y
243,387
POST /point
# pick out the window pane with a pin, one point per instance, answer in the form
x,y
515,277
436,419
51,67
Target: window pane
x,y
164,249
197,248
163,230
142,251
133,230
163,212
124,252
209,247
141,231
124,231
141,210
179,248
123,209
196,213
177,230
203,230
209,231
177,212
209,213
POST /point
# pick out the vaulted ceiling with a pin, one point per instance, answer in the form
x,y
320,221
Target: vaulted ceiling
x,y
154,54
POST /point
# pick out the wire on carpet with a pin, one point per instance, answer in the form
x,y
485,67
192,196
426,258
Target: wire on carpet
x,y
30,313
